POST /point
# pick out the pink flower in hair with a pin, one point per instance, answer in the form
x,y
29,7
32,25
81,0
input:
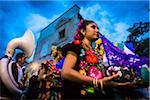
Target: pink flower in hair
x,y
81,21
77,30
78,35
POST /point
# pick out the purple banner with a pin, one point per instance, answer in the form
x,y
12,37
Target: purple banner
x,y
117,57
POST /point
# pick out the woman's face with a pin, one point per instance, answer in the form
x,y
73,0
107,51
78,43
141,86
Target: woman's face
x,y
92,31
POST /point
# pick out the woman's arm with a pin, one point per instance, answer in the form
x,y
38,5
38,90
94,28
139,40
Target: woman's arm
x,y
69,73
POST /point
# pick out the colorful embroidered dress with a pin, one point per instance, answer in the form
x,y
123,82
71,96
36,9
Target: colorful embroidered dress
x,y
89,63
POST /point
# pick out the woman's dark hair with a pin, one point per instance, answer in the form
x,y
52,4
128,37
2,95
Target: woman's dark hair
x,y
82,25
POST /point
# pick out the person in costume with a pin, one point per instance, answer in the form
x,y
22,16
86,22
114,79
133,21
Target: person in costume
x,y
57,81
37,84
53,79
18,69
57,55
83,72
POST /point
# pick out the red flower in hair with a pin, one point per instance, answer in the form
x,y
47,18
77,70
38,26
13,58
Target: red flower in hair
x,y
77,42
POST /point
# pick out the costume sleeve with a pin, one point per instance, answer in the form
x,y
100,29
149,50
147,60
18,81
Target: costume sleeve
x,y
71,47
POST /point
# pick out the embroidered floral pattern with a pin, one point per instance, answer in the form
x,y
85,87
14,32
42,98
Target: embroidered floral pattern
x,y
94,72
90,65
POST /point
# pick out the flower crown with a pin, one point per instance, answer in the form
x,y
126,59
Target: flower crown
x,y
80,24
78,35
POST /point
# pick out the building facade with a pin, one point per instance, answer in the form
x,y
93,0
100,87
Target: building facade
x,y
58,33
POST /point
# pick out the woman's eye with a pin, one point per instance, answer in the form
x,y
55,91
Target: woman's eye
x,y
93,26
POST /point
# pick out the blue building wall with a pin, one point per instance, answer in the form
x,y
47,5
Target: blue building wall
x,y
49,36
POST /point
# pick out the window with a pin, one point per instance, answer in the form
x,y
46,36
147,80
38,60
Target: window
x,y
62,34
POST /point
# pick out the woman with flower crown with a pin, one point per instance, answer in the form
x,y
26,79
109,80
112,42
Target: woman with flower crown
x,y
83,71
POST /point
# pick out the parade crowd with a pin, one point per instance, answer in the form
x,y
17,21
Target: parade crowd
x,y
79,71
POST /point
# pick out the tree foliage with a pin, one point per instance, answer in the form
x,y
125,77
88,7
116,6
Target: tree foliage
x,y
140,38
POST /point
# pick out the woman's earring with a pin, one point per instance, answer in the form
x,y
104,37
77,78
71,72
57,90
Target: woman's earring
x,y
83,32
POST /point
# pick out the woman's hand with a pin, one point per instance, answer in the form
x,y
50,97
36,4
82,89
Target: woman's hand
x,y
107,82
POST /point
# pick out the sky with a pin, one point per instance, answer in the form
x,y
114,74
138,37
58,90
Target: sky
x,y
113,17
